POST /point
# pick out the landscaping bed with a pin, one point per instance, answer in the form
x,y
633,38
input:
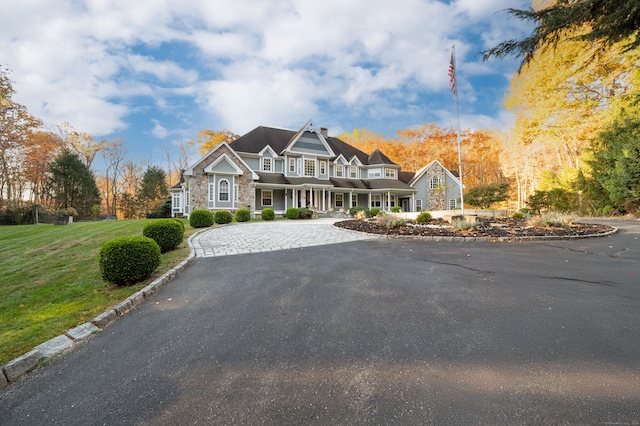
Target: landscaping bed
x,y
491,228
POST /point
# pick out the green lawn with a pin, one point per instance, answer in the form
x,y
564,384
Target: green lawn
x,y
50,279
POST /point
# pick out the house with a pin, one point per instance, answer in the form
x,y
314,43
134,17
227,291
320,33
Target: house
x,y
277,168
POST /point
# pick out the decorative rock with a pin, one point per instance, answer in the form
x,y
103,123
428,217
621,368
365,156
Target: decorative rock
x,y
104,318
82,331
54,346
22,365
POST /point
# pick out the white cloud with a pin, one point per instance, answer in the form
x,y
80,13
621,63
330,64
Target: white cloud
x,y
273,62
159,131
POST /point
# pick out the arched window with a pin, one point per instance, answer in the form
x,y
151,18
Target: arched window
x,y
223,190
436,182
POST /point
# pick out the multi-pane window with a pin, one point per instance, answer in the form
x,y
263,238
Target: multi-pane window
x,y
223,190
376,200
452,204
419,204
176,201
267,164
309,167
339,200
354,172
354,200
436,182
323,167
339,170
235,193
267,197
390,173
292,165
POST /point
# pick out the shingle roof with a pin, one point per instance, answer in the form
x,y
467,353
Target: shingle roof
x,y
278,139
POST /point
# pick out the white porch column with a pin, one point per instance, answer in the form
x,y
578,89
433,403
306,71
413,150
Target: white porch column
x,y
329,198
369,207
286,198
350,199
388,201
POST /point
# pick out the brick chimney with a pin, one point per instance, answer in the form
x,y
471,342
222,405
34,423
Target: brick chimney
x,y
324,132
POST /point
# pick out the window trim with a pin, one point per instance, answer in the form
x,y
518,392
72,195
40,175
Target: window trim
x,y
292,165
323,167
263,198
390,173
265,161
221,192
309,161
373,202
435,182
419,202
341,168
335,200
455,203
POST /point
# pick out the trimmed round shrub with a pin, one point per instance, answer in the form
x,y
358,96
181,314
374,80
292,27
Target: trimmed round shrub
x,y
268,214
374,211
201,218
180,222
305,213
243,215
396,209
127,260
353,211
424,217
166,232
518,215
293,213
222,216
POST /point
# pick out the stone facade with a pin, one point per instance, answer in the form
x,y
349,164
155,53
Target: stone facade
x,y
198,184
437,196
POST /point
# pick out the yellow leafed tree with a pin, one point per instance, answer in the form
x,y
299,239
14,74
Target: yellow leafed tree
x,y
209,139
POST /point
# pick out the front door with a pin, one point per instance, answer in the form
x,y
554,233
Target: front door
x,y
405,205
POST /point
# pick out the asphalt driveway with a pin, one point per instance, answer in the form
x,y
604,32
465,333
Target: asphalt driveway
x,y
366,332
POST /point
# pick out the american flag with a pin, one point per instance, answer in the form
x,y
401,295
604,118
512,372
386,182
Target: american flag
x,y
452,74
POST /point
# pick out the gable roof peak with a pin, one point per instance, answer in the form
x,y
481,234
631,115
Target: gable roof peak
x,y
377,157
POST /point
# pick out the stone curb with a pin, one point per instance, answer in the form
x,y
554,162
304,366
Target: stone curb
x,y
489,239
14,369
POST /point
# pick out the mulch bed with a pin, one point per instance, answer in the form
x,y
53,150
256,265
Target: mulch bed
x,y
491,228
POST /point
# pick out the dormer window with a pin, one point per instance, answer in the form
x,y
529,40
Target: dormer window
x,y
354,172
267,164
323,167
390,173
339,170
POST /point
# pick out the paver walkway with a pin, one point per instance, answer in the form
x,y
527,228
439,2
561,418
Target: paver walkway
x,y
257,237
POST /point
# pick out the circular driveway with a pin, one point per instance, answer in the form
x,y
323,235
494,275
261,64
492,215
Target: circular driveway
x,y
260,237
382,331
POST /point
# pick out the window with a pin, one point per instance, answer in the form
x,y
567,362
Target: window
x,y
354,200
347,171
376,200
176,201
267,164
292,165
323,167
436,182
419,205
354,172
212,191
267,197
452,204
339,200
390,173
235,193
339,170
223,190
309,167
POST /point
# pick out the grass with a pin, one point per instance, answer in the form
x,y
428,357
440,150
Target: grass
x,y
51,279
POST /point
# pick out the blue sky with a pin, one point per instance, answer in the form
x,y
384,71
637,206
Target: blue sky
x,y
154,72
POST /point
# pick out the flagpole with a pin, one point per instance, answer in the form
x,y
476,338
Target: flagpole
x,y
455,92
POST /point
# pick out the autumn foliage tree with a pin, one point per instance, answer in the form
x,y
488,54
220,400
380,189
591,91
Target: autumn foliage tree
x,y
206,140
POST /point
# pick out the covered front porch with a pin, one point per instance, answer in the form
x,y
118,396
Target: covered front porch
x,y
328,198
